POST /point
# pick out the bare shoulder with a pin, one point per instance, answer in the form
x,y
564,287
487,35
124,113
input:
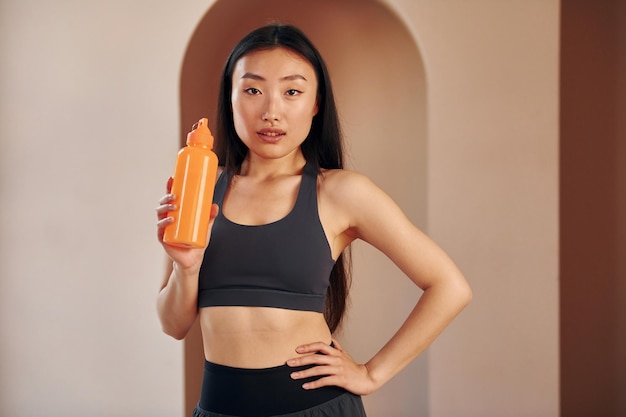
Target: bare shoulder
x,y
343,183
345,203
356,199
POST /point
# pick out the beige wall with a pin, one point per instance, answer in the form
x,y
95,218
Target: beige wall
x,y
492,71
474,163
88,121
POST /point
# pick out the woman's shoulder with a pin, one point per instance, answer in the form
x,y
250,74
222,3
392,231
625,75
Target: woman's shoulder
x,y
357,203
341,176
345,183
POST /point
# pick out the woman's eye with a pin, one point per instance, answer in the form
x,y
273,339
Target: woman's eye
x,y
252,91
292,92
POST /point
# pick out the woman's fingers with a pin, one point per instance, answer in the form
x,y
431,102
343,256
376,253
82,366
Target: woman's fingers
x,y
317,347
167,198
332,366
165,202
161,224
165,206
164,209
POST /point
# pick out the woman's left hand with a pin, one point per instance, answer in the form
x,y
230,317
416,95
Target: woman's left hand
x,y
334,367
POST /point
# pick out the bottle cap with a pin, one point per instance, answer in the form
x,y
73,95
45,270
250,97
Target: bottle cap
x,y
200,134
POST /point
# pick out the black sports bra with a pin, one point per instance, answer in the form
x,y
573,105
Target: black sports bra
x,y
283,264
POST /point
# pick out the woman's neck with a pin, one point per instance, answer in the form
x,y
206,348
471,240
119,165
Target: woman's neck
x,y
255,166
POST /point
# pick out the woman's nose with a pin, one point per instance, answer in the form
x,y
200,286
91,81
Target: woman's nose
x,y
272,110
268,116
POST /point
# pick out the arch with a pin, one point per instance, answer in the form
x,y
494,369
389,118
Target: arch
x,y
380,85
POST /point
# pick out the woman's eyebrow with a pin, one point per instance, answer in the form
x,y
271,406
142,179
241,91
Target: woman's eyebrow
x,y
253,76
293,77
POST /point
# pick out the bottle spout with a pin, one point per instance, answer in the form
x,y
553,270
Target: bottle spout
x,y
200,134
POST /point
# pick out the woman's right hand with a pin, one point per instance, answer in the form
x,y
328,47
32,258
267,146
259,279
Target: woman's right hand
x,y
186,258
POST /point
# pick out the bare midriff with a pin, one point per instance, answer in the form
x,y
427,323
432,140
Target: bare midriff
x,y
258,337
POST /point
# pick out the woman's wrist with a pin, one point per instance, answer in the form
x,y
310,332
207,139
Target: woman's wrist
x,y
185,272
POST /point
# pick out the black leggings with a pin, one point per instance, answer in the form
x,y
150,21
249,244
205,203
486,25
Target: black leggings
x,y
237,392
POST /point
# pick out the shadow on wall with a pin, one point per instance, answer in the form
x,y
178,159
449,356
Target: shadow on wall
x,y
379,82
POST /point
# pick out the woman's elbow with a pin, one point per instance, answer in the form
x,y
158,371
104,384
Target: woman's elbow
x,y
174,326
464,293
174,331
177,336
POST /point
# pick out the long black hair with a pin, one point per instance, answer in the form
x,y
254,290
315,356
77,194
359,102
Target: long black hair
x,y
322,148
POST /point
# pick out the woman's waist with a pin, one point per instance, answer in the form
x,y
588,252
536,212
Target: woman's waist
x,y
259,392
258,337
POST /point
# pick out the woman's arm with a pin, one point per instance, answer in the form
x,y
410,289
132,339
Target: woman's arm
x,y
178,298
371,215
177,301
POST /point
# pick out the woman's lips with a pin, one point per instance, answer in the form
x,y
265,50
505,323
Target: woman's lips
x,y
271,135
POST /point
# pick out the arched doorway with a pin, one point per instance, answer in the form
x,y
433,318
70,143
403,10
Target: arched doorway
x,y
380,85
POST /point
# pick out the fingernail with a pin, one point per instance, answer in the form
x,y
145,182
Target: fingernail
x,y
294,375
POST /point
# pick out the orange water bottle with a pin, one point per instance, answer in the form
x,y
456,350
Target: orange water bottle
x,y
192,186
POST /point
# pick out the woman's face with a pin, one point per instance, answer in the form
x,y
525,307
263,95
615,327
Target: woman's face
x,y
274,99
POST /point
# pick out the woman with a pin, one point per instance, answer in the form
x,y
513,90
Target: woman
x,y
270,288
